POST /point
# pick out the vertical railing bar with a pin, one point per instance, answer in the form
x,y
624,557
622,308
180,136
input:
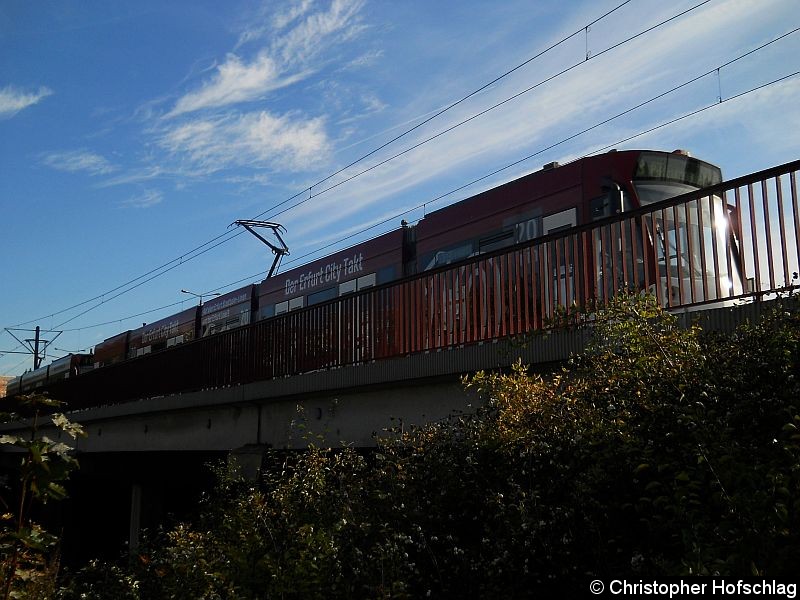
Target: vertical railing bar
x,y
516,317
454,306
430,306
479,301
471,301
416,322
608,253
679,254
487,328
451,306
498,292
729,245
634,252
608,257
782,225
429,312
569,260
754,237
796,213
665,295
519,291
451,312
647,247
588,267
411,316
533,287
447,303
441,301
526,284
438,306
548,259
568,284
768,231
506,327
493,324
478,291
544,288
600,255
577,292
702,236
623,251
537,290
690,250
613,246
740,238
397,316
501,308
557,275
462,307
408,316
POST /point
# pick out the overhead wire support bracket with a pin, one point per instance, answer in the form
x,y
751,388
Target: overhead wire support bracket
x,y
36,346
276,228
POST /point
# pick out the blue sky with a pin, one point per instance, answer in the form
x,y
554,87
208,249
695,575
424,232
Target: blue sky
x,y
133,132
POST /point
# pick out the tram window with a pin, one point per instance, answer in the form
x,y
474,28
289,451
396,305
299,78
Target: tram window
x,y
651,166
174,341
447,256
281,307
296,303
366,281
600,207
385,274
611,203
677,168
321,296
560,220
347,287
497,241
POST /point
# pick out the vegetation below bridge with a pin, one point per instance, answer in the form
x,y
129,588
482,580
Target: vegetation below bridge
x,y
659,451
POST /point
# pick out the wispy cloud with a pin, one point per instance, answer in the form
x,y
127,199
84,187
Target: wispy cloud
x,y
234,82
257,139
296,37
319,31
75,161
295,10
555,112
146,199
13,100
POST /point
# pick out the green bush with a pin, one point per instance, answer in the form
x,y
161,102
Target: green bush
x,y
659,451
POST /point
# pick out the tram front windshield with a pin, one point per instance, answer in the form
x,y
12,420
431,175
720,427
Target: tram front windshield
x,y
695,241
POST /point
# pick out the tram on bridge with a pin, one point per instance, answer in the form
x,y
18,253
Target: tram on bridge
x,y
501,263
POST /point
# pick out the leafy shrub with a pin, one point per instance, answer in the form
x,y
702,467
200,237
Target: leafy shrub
x,y
659,451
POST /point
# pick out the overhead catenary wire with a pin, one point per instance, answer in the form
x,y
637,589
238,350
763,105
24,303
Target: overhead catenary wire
x,y
229,235
486,176
223,238
476,115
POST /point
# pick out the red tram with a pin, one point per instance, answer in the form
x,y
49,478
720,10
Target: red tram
x,y
673,253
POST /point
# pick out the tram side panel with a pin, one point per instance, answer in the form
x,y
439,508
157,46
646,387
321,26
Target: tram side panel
x,y
333,333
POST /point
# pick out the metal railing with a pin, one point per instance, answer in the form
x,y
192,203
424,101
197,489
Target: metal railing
x,y
731,242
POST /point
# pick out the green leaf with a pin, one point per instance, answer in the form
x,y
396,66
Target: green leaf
x,y
74,430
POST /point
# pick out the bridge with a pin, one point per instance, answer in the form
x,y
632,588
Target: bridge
x,y
393,355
